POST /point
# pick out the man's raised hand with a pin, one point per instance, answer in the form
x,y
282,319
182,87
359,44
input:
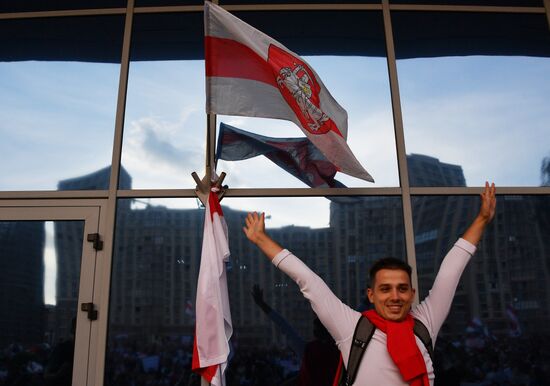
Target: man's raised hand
x,y
254,227
254,230
486,213
488,202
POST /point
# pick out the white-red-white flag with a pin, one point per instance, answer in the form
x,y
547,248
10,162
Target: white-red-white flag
x,y
250,74
213,326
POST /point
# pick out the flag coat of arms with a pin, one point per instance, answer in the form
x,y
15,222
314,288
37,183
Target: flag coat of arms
x,y
250,74
213,326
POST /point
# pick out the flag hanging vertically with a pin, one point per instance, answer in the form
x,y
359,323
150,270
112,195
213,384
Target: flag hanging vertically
x,y
213,326
250,74
297,156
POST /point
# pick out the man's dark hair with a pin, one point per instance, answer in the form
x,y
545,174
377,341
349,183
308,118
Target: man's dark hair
x,y
389,263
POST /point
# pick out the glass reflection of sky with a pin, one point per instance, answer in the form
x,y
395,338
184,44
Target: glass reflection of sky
x,y
56,121
165,124
487,114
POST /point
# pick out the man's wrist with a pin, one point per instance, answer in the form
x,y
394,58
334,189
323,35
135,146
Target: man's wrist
x,y
261,238
482,220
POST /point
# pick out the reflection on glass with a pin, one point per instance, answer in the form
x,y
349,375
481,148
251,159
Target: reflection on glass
x,y
155,268
39,283
157,3
480,101
366,98
351,61
425,170
224,2
26,6
499,320
507,3
165,124
58,93
165,119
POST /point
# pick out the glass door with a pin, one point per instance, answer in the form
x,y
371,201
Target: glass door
x,y
47,268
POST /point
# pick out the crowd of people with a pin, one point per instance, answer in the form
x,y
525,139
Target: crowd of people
x,y
168,363
503,361
522,361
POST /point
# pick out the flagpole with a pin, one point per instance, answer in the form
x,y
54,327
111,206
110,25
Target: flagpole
x,y
210,143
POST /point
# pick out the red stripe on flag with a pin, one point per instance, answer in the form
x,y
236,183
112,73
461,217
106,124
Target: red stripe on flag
x,y
214,204
206,372
228,58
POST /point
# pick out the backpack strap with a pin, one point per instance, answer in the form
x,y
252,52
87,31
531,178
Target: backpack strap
x,y
421,331
364,330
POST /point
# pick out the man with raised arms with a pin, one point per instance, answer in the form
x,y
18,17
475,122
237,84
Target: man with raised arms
x,y
394,356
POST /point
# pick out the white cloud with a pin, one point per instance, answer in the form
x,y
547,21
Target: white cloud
x,y
160,154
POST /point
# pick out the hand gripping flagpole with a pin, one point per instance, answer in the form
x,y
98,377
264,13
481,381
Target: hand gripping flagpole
x,y
208,184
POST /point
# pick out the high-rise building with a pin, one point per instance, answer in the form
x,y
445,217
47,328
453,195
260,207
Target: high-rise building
x,y
362,232
545,171
96,181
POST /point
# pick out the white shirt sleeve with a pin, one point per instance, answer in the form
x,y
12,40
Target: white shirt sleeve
x,y
338,318
433,310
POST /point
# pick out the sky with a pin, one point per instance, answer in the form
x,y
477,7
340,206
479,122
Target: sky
x,y
477,112
488,114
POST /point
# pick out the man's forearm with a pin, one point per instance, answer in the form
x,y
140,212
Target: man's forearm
x,y
475,231
268,246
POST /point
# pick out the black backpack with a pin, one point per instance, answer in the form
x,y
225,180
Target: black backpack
x,y
361,338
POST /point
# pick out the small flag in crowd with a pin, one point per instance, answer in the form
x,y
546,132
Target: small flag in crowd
x,y
515,328
213,326
189,309
297,156
250,74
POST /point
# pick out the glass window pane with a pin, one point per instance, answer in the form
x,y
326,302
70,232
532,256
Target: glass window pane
x,y
476,97
165,122
224,2
157,3
58,94
503,3
156,263
499,321
39,283
358,83
359,33
39,5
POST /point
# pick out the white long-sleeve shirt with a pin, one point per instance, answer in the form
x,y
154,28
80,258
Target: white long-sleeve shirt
x,y
377,367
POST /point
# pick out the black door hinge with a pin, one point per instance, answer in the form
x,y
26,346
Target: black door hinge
x,y
90,309
96,239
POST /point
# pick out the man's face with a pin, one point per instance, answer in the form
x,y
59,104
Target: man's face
x,y
391,294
